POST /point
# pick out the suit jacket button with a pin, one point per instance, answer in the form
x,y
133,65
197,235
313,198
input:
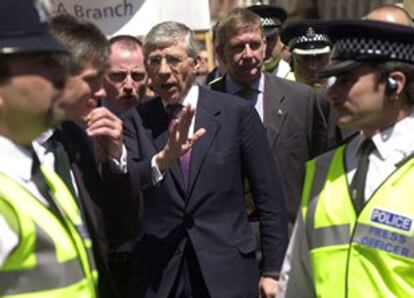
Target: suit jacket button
x,y
188,221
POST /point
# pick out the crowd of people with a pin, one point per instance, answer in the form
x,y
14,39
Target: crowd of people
x,y
129,170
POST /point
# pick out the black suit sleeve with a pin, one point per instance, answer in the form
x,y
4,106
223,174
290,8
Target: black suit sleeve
x,y
139,148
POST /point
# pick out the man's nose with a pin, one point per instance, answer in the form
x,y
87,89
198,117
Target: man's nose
x,y
164,67
248,52
128,82
100,93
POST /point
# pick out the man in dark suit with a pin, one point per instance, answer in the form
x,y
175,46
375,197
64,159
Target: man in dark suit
x,y
196,238
296,128
109,204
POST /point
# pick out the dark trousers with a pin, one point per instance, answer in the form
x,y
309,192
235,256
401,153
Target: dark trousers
x,y
121,267
189,282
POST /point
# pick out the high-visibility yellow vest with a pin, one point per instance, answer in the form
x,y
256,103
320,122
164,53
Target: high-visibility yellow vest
x,y
53,257
369,255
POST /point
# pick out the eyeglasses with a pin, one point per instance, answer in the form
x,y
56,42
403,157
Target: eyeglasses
x,y
120,76
172,60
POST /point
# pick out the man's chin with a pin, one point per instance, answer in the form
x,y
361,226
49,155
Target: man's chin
x,y
169,97
346,121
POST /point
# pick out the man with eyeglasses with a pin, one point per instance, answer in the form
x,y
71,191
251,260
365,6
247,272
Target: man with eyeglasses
x,y
126,79
196,239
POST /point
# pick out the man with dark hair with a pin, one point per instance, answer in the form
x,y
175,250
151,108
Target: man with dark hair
x,y
88,143
44,251
126,78
196,240
355,226
290,111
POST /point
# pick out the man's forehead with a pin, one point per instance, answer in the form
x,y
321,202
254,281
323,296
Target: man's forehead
x,y
95,66
234,32
172,49
122,54
117,47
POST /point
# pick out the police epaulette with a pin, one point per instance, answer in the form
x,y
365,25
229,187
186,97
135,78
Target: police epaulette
x,y
404,160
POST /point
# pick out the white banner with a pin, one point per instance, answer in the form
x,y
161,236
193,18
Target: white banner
x,y
136,17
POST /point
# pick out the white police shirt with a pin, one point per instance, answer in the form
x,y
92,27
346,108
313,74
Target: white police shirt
x,y
15,161
391,146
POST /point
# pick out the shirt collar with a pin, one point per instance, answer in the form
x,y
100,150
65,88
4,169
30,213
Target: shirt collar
x,y
15,160
232,87
44,137
396,138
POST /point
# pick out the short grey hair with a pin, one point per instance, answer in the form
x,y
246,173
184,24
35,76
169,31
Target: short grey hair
x,y
168,33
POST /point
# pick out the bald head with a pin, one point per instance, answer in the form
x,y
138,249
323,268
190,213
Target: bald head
x,y
392,14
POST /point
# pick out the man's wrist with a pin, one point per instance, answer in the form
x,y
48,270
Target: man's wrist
x,y
162,160
273,275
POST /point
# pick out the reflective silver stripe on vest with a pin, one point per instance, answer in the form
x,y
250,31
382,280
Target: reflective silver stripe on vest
x,y
328,236
324,236
391,242
322,164
47,275
84,233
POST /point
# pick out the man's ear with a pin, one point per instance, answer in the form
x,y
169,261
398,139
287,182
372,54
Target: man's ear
x,y
197,61
1,100
395,83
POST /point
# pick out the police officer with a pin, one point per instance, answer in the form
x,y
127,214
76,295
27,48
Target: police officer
x,y
311,51
310,48
354,236
44,251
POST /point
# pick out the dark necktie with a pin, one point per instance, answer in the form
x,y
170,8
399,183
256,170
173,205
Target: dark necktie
x,y
173,112
357,186
246,93
38,178
62,164
41,184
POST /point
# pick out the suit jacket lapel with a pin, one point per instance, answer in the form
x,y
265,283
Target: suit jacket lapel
x,y
206,117
274,111
219,84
